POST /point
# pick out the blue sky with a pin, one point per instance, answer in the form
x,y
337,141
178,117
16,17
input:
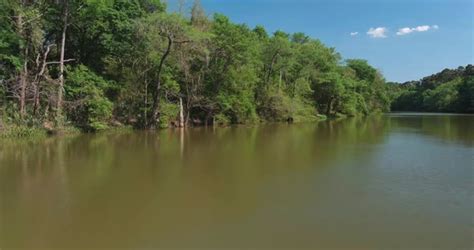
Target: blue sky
x,y
436,34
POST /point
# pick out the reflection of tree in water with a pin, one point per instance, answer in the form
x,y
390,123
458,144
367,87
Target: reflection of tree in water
x,y
230,167
448,128
357,130
35,183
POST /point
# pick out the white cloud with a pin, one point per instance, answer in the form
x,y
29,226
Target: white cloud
x,y
379,32
404,31
423,28
354,33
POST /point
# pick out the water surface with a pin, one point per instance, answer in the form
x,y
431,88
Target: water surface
x,y
394,181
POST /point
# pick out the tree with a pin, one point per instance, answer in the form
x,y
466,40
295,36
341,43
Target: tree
x,y
329,90
170,30
232,74
275,53
371,85
198,16
65,17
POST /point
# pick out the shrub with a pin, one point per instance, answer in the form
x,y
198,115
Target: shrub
x,y
88,107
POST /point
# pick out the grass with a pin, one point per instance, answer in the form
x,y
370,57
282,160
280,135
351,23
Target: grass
x,y
12,132
20,132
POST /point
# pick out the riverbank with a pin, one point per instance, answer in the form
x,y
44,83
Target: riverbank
x,y
29,132
13,131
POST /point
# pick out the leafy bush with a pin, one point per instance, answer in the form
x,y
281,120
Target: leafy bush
x,y
221,120
168,113
279,107
87,105
236,99
274,106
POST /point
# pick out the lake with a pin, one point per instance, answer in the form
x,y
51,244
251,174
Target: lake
x,y
393,181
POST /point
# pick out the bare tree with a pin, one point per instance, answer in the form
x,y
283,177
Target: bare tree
x,y
181,6
59,104
23,74
42,67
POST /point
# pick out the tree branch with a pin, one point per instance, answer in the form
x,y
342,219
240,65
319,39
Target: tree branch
x,y
67,60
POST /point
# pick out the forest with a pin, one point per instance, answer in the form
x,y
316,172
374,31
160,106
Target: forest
x,y
451,90
96,64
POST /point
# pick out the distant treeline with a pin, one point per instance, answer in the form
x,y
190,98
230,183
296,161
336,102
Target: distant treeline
x,y
92,64
451,90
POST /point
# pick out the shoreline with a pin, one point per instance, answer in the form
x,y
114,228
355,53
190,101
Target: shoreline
x,y
9,132
15,132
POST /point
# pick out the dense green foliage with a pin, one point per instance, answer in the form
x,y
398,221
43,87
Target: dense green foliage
x,y
92,108
96,63
447,91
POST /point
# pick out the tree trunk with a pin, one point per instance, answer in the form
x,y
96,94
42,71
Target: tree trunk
x,y
279,82
24,71
328,109
145,110
186,120
156,95
23,82
187,111
38,79
59,101
181,113
270,70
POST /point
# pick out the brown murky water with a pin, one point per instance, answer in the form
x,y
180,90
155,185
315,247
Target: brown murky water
x,y
399,181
